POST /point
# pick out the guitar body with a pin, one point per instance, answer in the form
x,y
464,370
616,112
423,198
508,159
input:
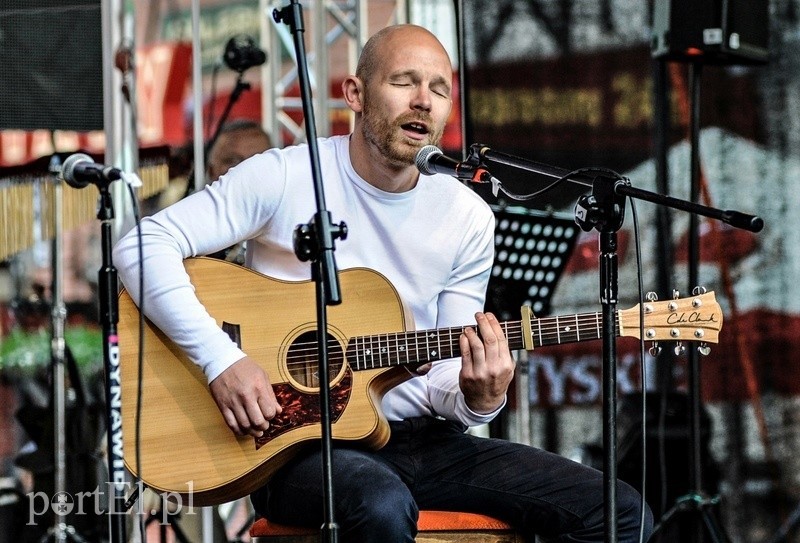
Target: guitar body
x,y
185,446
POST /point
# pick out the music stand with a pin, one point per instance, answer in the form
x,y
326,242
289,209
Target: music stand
x,y
531,252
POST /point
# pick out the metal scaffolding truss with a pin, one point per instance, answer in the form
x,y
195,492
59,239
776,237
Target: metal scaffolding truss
x,y
327,22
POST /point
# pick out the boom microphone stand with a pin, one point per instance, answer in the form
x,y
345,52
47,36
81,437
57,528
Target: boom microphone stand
x,y
314,242
604,210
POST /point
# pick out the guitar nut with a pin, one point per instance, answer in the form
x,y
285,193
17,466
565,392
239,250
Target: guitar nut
x,y
648,308
675,332
672,306
699,333
650,333
697,302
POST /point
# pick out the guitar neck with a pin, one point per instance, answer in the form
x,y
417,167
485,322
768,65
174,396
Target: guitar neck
x,y
422,346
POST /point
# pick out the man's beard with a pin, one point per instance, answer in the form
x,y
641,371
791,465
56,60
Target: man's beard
x,y
388,138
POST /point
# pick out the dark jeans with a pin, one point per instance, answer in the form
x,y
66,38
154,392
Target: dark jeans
x,y
432,464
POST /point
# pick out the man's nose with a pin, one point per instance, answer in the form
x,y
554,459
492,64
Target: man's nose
x,y
422,98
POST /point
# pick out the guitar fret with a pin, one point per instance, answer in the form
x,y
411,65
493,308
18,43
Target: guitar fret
x,y
597,324
577,328
433,353
427,347
558,332
451,352
397,347
541,339
568,333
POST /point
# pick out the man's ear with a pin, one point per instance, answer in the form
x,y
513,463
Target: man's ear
x,y
353,92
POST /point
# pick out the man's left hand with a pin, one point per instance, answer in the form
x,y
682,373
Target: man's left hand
x,y
487,366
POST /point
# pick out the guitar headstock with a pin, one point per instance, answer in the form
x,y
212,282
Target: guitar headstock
x,y
695,318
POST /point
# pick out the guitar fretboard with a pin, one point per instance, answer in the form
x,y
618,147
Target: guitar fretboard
x,y
422,346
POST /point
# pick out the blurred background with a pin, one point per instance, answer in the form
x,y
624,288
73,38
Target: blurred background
x,y
616,84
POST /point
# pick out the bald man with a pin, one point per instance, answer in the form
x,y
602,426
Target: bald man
x,y
433,239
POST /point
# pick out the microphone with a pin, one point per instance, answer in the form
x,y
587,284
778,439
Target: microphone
x,y
431,160
79,171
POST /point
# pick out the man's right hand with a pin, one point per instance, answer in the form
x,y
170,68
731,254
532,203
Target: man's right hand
x,y
245,398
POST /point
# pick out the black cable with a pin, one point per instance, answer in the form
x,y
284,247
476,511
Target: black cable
x,y
642,366
140,358
554,184
662,449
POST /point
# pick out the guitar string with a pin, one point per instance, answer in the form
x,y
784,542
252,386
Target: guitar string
x,y
548,331
514,334
514,331
545,331
295,361
564,328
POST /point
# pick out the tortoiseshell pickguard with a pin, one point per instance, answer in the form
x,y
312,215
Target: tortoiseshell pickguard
x,y
303,408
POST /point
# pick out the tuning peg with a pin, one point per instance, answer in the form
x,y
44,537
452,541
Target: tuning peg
x,y
655,349
679,349
698,290
651,296
704,349
676,294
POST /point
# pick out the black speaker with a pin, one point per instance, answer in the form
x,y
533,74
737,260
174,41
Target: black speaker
x,y
51,65
711,31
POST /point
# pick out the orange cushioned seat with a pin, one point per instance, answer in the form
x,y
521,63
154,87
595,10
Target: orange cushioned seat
x,y
434,527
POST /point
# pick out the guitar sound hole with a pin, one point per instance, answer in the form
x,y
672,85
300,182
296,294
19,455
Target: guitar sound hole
x,y
302,359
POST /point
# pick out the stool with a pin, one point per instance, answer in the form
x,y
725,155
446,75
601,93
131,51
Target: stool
x,y
434,527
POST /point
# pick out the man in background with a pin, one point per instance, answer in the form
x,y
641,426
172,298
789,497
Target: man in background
x,y
238,140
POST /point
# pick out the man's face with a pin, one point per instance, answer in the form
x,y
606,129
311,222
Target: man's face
x,y
408,98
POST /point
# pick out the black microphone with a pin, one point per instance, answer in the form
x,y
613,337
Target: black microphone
x,y
79,171
431,160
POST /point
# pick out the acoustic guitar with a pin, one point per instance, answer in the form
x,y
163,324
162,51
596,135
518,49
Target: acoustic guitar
x,y
185,447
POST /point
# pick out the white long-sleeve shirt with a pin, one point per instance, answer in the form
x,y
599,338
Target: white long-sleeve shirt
x,y
434,243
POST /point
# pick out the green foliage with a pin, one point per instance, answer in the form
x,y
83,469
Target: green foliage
x,y
27,353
